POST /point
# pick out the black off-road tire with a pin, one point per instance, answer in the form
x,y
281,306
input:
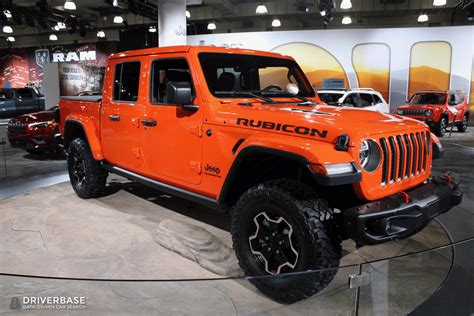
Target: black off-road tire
x,y
93,176
463,126
315,231
35,151
441,127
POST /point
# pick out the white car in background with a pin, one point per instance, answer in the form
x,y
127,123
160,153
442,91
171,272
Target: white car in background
x,y
365,98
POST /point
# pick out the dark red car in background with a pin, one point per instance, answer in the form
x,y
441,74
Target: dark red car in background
x,y
438,109
37,133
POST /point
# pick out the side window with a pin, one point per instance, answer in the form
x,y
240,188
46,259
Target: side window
x,y
452,99
366,100
126,79
24,94
164,71
377,100
352,100
459,98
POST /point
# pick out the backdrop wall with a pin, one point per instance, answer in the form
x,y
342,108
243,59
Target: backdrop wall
x,y
396,62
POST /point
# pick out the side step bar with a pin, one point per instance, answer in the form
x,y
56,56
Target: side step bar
x,y
172,190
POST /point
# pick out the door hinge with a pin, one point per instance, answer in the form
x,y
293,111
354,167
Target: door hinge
x,y
358,280
136,152
197,130
196,166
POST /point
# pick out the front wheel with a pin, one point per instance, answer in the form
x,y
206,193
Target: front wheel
x,y
87,176
441,128
275,231
463,127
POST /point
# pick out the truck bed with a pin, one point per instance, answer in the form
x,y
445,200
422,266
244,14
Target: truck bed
x,y
76,108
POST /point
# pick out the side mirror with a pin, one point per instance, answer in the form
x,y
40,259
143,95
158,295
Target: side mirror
x,y
180,93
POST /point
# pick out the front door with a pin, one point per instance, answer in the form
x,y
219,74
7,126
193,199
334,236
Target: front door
x,y
120,113
172,135
26,101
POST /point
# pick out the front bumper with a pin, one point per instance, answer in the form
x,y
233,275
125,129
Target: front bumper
x,y
36,141
404,214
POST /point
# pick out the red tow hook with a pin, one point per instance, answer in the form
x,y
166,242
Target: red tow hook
x,y
448,179
406,196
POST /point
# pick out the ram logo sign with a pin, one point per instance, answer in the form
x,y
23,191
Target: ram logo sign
x,y
73,56
42,57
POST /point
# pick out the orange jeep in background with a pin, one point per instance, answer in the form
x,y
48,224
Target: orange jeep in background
x,y
241,130
438,109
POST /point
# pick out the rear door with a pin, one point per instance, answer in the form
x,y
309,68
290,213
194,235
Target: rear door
x,y
173,140
26,101
120,113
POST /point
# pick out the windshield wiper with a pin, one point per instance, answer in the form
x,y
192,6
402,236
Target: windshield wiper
x,y
305,101
244,93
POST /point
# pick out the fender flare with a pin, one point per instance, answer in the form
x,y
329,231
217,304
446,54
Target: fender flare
x,y
90,133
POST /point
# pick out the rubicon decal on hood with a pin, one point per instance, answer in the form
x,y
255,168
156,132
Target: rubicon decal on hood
x,y
287,128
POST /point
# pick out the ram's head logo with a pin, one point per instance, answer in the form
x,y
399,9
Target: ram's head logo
x,y
42,57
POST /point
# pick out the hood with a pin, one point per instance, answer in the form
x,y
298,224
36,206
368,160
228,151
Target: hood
x,y
324,123
34,117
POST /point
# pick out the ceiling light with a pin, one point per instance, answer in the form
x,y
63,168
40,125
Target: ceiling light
x,y
7,13
69,5
439,3
152,29
346,20
346,4
7,29
118,19
276,23
101,34
10,39
188,14
55,28
261,9
423,18
323,13
211,26
61,25
53,37
115,3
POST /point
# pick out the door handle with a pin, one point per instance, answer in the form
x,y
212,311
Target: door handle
x,y
149,123
114,118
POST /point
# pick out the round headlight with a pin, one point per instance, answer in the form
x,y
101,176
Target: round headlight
x,y
428,113
369,155
400,112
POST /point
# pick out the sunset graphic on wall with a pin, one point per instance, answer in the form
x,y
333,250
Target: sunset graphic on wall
x,y
317,63
430,66
371,63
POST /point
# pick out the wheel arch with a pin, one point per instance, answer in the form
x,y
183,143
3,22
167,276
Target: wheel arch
x,y
74,128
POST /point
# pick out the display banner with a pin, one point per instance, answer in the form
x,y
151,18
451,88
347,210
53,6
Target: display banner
x,y
397,62
81,66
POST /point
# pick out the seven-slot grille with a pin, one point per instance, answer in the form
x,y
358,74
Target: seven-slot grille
x,y
404,156
16,127
414,112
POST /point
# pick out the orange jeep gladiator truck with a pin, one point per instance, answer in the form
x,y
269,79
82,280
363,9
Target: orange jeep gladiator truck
x,y
241,130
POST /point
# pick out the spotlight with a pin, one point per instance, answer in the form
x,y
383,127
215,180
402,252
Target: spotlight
x,y
7,29
115,3
323,13
346,20
53,37
69,5
346,4
152,29
423,18
10,39
188,14
439,3
55,28
101,34
118,19
276,23
61,25
7,13
211,26
261,9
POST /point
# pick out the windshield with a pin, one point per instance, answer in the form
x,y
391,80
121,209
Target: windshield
x,y
428,98
330,98
228,74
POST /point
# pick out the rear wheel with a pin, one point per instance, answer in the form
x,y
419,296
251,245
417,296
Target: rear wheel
x,y
35,151
441,128
279,228
463,127
87,176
